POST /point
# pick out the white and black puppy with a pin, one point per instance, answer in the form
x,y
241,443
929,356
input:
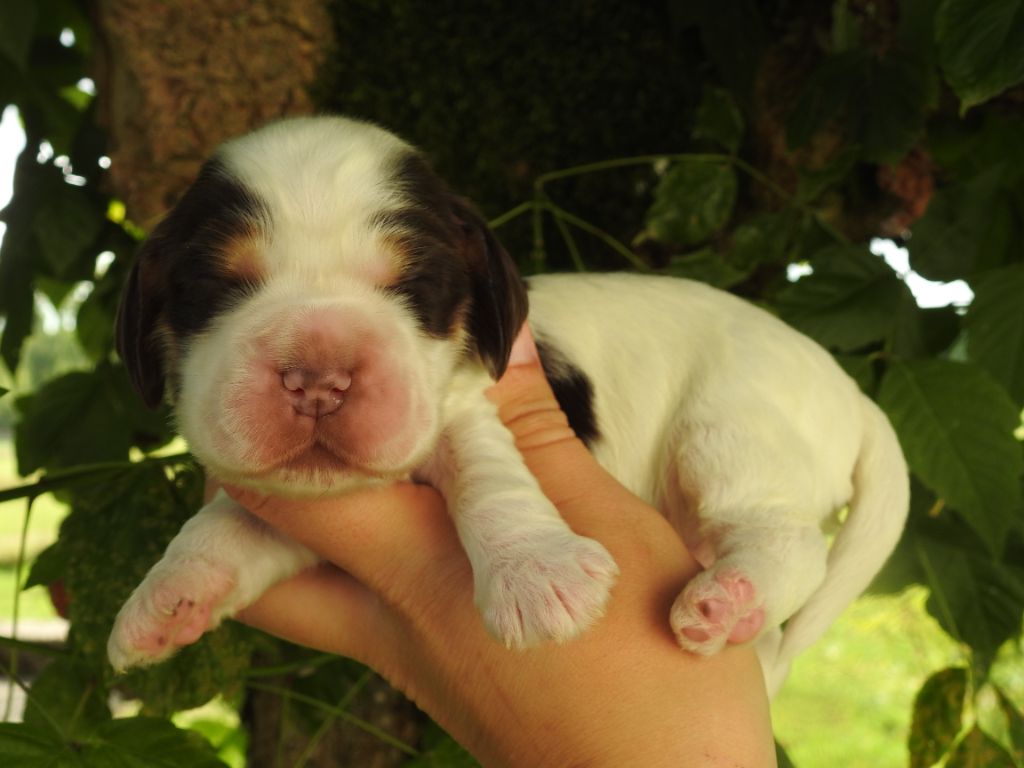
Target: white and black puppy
x,y
326,314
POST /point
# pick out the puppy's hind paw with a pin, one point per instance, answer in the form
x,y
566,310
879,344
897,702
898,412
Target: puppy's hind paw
x,y
717,607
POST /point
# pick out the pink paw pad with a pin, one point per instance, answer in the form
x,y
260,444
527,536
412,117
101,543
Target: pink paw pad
x,y
716,608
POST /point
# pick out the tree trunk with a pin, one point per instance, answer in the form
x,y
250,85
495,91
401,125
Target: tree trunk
x,y
176,78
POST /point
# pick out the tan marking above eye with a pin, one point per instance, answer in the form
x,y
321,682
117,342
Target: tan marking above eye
x,y
242,257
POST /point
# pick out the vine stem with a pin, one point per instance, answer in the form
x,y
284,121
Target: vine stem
x,y
348,717
542,203
52,481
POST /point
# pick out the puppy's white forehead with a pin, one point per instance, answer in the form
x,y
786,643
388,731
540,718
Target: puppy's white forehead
x,y
323,182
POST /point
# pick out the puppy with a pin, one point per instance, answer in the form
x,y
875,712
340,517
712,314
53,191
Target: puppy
x,y
325,314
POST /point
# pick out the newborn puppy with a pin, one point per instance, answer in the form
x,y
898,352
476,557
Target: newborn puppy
x,y
326,314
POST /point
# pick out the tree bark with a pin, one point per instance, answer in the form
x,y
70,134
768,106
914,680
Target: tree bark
x,y
178,77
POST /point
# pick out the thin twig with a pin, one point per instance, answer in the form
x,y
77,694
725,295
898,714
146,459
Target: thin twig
x,y
348,717
63,477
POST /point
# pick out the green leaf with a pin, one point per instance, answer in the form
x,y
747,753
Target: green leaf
x,y
978,600
719,119
762,238
881,102
83,417
26,746
995,328
955,424
16,284
65,225
693,201
825,93
17,24
69,694
979,750
965,229
981,47
132,742
707,266
850,300
47,567
938,713
147,742
924,332
4,391
1015,723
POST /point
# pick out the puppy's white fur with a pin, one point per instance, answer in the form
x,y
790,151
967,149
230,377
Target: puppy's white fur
x,y
744,433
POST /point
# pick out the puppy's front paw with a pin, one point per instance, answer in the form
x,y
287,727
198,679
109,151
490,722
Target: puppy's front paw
x,y
717,607
546,589
173,606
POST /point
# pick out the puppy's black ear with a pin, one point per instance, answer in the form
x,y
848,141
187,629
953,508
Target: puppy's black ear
x,y
137,343
499,303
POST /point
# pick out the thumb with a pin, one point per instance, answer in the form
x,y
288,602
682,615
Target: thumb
x,y
527,406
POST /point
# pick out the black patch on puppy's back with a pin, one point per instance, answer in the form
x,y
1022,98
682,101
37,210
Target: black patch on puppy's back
x,y
573,391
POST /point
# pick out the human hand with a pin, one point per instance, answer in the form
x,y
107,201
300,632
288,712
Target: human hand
x,y
399,598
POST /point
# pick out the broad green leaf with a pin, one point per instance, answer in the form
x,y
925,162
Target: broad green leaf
x,y
147,742
859,368
84,417
707,266
850,299
762,238
965,229
4,391
995,328
1015,722
16,284
979,750
47,567
881,102
977,599
133,742
70,694
26,746
955,424
938,713
17,24
65,225
981,47
924,332
719,119
693,201
825,93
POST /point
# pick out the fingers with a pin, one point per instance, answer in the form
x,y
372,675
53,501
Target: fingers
x,y
372,533
295,610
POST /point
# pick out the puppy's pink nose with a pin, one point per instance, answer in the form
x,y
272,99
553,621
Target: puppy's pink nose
x,y
315,393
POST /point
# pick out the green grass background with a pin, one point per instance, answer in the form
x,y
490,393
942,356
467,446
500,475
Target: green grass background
x,y
846,704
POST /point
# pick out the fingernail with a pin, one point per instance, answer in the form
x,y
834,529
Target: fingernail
x,y
524,350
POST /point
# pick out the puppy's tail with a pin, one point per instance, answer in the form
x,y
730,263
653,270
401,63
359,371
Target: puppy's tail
x,y
877,513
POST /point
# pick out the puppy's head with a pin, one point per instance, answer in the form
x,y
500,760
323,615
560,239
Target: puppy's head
x,y
307,301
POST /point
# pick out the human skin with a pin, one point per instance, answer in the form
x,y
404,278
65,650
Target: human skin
x,y
396,590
